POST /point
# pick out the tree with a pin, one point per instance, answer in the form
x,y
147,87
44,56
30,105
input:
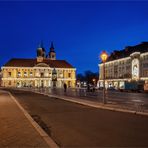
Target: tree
x,y
88,77
80,77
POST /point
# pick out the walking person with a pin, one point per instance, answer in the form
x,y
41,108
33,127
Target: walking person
x,y
65,87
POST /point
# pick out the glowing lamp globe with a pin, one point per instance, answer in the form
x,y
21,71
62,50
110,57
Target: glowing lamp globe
x,y
93,80
104,56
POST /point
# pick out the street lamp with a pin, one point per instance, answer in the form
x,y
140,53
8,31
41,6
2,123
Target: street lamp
x,y
94,81
104,57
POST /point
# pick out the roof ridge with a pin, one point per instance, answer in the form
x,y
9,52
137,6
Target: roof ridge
x,y
23,62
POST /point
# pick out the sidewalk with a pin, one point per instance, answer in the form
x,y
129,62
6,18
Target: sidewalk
x,y
16,130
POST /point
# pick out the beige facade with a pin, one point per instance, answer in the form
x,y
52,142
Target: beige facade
x,y
37,77
132,68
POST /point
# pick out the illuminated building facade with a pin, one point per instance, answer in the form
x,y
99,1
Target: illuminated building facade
x,y
130,64
43,71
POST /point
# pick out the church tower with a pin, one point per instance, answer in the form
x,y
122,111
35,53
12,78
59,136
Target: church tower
x,y
52,54
41,53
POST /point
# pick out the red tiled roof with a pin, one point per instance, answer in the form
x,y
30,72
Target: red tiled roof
x,y
33,62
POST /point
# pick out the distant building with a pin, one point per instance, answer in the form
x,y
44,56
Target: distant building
x,y
130,64
43,71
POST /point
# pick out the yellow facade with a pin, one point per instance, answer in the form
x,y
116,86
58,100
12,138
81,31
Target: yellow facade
x,y
37,77
44,71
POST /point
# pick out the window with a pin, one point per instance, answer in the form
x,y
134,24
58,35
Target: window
x,y
61,74
9,83
31,74
49,74
9,74
145,65
25,74
42,74
19,74
69,84
69,75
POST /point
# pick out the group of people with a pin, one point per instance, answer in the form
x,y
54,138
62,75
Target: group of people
x,y
89,88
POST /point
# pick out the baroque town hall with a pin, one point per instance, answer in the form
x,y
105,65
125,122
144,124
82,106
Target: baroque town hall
x,y
43,71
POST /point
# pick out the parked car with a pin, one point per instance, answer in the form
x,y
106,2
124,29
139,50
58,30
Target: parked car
x,y
110,88
132,86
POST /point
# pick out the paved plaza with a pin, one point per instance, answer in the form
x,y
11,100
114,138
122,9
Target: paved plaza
x,y
74,125
15,129
136,102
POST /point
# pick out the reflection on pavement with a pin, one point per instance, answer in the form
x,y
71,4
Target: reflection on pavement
x,y
128,99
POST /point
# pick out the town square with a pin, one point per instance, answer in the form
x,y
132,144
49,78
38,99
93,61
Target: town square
x,y
73,74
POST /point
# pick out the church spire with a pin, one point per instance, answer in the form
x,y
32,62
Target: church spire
x,y
52,54
41,53
51,47
41,44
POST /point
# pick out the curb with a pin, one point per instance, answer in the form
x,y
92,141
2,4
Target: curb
x,y
94,104
41,132
91,104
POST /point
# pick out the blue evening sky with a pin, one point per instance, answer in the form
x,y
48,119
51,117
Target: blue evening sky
x,y
79,30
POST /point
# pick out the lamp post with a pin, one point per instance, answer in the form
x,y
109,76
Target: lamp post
x,y
94,81
104,57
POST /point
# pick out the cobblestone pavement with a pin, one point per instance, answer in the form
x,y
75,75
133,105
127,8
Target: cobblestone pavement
x,y
15,129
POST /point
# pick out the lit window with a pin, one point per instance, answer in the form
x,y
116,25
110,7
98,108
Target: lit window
x,y
30,73
49,74
18,74
25,74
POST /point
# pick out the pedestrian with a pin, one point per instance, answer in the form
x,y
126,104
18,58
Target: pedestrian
x,y
65,87
88,87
